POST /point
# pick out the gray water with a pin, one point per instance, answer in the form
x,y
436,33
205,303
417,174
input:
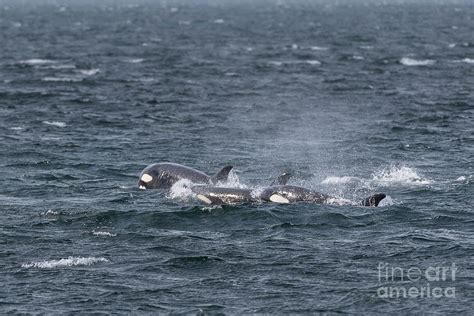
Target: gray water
x,y
352,98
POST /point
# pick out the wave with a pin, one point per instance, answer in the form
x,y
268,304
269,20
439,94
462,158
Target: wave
x,y
312,62
55,123
62,79
104,234
89,72
69,262
134,60
37,61
468,60
416,62
319,48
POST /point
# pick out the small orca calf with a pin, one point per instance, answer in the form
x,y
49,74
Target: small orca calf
x,y
278,192
163,175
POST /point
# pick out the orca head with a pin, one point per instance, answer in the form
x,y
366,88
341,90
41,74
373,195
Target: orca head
x,y
146,181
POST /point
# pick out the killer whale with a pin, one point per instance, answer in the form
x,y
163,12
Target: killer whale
x,y
292,193
165,174
226,195
277,192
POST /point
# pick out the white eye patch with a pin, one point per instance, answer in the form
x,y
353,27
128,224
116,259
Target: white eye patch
x,y
279,199
204,199
146,178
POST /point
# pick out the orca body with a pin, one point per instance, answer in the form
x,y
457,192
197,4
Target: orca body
x,y
221,195
164,175
277,192
292,193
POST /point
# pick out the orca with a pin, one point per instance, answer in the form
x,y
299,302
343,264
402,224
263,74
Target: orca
x,y
277,192
165,174
225,195
292,193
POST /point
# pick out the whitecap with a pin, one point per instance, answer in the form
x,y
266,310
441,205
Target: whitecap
x,y
55,123
50,212
37,61
313,62
62,79
416,62
69,262
318,48
219,21
104,234
134,60
65,66
89,72
400,175
452,45
468,60
276,63
16,128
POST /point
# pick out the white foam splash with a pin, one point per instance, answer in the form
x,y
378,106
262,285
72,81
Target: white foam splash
x,y
318,48
338,180
100,233
65,66
181,189
233,181
468,60
416,62
339,201
50,212
16,128
62,79
313,62
387,201
69,262
134,60
400,175
89,72
55,123
37,61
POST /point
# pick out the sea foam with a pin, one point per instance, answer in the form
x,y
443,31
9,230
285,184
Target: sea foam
x,y
69,262
416,62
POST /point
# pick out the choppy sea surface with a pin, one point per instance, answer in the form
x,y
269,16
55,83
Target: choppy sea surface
x,y
352,97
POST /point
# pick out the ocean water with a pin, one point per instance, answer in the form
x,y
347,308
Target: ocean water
x,y
353,98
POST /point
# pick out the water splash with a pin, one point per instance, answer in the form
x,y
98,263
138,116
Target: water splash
x,y
69,262
181,190
416,62
400,175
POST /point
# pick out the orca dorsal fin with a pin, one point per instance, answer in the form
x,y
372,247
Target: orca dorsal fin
x,y
222,175
282,179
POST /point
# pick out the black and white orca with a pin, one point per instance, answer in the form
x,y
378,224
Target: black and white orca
x,y
165,174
